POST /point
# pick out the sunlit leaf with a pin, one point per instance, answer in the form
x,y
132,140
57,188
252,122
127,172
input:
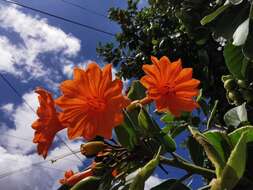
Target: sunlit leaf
x,y
220,142
210,151
234,168
145,172
236,116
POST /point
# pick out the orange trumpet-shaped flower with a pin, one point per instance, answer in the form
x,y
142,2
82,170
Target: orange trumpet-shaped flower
x,y
92,102
170,86
71,178
48,124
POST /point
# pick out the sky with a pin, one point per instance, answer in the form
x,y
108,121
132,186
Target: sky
x,y
38,50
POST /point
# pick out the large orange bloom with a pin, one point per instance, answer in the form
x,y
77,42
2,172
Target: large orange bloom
x,y
92,102
171,87
48,123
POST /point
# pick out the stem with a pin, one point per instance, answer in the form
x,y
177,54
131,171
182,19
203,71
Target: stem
x,y
191,168
138,103
212,114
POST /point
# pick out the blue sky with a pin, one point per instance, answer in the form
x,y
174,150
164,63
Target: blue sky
x,y
37,50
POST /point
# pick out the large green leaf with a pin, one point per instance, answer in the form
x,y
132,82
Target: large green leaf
x,y
235,135
171,184
196,151
126,133
220,142
234,60
234,168
236,116
210,151
137,91
145,172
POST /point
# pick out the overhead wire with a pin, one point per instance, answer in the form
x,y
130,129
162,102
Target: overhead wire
x,y
29,106
84,8
59,17
6,174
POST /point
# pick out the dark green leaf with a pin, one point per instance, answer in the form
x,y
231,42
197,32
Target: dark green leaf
x,y
126,133
137,91
196,151
171,184
234,60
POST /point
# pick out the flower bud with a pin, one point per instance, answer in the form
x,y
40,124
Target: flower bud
x,y
91,149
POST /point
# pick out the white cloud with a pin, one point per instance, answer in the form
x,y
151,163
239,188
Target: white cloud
x,y
37,38
19,159
30,172
8,108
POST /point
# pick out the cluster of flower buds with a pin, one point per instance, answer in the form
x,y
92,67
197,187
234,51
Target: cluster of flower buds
x,y
238,91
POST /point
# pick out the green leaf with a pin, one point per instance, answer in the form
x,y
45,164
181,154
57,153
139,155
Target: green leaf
x,y
234,168
196,151
145,172
151,128
234,60
171,184
210,151
236,116
167,118
126,133
220,142
90,182
235,135
137,91
168,142
213,15
147,123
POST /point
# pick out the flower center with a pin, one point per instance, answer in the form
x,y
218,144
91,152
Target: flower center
x,y
168,89
97,104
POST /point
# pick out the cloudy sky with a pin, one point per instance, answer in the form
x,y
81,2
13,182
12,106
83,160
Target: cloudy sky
x,y
37,50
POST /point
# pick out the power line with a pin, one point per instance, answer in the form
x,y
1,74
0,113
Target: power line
x,y
19,95
59,17
16,91
84,8
6,174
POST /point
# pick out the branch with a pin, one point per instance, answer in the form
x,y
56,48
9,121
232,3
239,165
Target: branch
x,y
191,168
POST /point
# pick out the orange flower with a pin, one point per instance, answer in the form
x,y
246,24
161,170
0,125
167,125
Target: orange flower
x,y
171,87
92,102
48,123
71,178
